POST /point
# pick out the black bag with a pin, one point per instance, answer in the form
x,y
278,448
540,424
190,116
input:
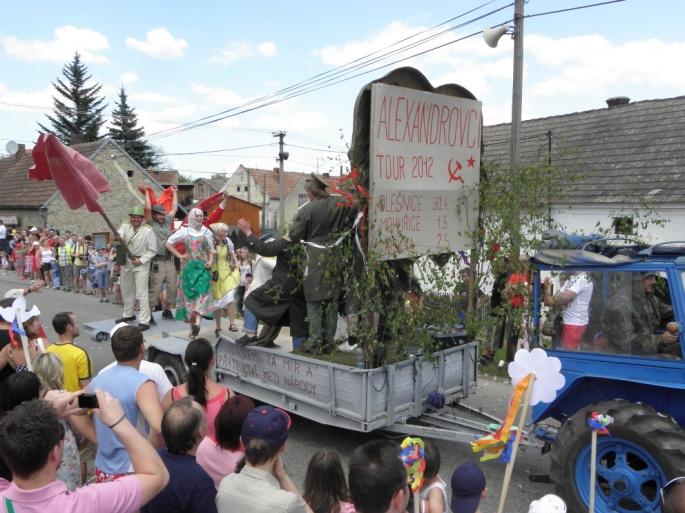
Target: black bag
x,y
120,257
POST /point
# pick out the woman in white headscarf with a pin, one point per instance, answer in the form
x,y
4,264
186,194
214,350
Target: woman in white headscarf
x,y
199,253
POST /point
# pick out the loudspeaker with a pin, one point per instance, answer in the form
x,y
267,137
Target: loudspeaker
x,y
492,35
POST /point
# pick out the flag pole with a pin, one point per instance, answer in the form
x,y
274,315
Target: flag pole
x,y
115,232
24,341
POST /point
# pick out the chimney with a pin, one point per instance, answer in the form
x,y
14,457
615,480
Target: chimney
x,y
20,151
326,175
276,170
617,101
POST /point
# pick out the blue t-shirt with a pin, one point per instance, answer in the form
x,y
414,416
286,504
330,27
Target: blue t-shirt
x,y
190,489
123,382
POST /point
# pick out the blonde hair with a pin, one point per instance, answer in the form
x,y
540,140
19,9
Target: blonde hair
x,y
217,227
50,371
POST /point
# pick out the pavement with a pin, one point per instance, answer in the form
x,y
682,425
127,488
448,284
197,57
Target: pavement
x,y
306,437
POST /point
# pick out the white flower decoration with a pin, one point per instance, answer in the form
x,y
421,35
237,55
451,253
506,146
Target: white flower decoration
x,y
548,378
19,305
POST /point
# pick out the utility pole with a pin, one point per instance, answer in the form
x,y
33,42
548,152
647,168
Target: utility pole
x,y
549,171
282,157
516,101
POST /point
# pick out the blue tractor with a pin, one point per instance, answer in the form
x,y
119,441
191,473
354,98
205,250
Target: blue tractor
x,y
619,368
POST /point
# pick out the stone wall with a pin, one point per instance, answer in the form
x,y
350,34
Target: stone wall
x,y
117,202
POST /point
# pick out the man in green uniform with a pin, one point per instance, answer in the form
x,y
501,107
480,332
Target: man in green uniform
x,y
631,321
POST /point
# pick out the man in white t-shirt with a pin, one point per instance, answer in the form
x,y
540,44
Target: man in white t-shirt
x,y
574,295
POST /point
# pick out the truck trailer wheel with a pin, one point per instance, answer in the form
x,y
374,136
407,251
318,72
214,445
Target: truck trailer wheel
x,y
173,367
642,452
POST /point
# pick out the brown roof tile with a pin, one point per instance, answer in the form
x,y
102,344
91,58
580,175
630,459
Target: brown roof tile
x,y
269,177
20,192
624,154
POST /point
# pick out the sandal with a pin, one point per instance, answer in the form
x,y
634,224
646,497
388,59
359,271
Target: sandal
x,y
194,331
217,332
233,327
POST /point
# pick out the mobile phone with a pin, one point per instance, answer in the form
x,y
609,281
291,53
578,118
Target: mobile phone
x,y
88,401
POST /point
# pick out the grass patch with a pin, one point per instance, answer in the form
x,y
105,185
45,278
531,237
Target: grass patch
x,y
339,357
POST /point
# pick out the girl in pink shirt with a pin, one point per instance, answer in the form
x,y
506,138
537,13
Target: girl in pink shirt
x,y
199,358
219,457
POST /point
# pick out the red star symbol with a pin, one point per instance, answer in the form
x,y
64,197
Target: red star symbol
x,y
471,162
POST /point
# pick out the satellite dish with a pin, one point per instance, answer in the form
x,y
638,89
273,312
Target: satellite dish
x,y
12,147
492,35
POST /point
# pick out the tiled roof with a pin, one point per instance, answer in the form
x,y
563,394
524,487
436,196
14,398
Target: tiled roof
x,y
628,153
168,177
20,192
270,179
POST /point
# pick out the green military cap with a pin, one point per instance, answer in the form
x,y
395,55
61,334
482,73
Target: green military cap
x,y
137,211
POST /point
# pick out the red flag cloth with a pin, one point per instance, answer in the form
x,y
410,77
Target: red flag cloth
x,y
210,205
76,177
166,197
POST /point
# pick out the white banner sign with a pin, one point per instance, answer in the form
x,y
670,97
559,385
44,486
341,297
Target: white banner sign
x,y
424,169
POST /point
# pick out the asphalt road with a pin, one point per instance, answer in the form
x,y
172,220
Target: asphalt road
x,y
306,436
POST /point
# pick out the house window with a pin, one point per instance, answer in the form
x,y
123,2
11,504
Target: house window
x,y
245,188
624,226
238,188
301,200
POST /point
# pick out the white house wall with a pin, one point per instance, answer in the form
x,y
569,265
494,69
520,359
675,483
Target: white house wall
x,y
663,223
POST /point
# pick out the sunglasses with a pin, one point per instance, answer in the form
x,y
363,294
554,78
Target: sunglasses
x,y
667,486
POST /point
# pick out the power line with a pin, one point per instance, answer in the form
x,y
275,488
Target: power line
x,y
572,8
315,149
326,77
204,152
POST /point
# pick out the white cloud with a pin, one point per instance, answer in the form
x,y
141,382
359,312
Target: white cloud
x,y
159,44
151,97
218,96
592,63
267,49
61,48
129,78
238,50
29,101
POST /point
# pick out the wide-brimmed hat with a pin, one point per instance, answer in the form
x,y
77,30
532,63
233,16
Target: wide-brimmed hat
x,y
317,180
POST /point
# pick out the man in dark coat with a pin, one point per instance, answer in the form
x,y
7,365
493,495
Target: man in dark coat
x,y
280,301
318,223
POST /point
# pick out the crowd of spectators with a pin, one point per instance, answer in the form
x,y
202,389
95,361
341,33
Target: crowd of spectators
x,y
65,261
197,447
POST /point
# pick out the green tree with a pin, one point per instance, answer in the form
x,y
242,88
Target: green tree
x,y
125,131
77,117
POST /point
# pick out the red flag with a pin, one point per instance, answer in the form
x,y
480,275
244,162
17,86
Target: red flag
x,y
209,205
166,197
76,177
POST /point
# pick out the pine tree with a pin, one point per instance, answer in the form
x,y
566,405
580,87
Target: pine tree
x,y
78,118
129,135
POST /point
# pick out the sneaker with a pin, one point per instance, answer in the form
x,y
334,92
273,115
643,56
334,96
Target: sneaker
x,y
125,319
143,327
166,314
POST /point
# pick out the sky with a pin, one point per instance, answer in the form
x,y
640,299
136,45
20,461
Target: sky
x,y
180,61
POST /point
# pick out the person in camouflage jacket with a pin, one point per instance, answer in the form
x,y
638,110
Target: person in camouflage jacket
x,y
631,321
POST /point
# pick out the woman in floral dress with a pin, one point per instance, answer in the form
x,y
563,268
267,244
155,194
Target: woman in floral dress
x,y
196,259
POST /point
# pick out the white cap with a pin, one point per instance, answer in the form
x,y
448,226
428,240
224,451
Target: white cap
x,y
548,504
116,327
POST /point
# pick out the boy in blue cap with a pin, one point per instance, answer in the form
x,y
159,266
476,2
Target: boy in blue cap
x,y
468,488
